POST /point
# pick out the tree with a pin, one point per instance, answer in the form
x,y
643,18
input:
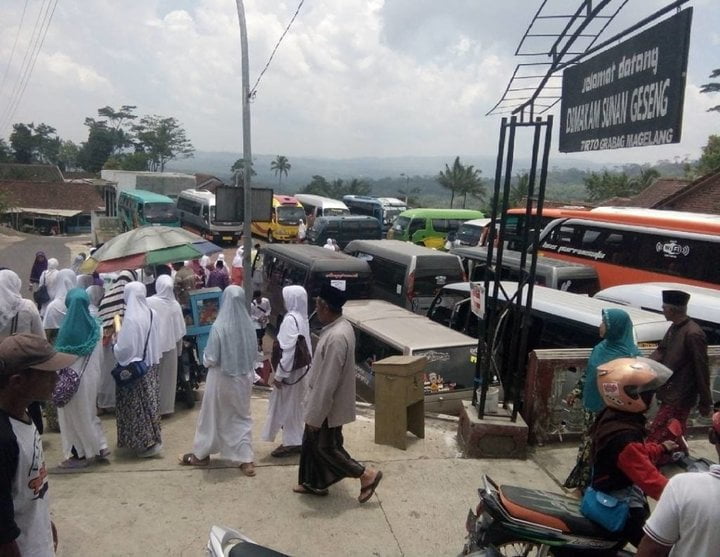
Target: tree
x,y
162,139
410,195
603,186
280,166
710,158
5,152
99,146
356,187
472,184
712,87
647,176
23,143
318,186
238,170
68,155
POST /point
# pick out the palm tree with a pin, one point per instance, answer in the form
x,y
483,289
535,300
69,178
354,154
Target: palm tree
x,y
452,178
238,170
280,166
472,184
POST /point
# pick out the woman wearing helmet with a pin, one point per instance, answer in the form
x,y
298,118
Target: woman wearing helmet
x,y
623,461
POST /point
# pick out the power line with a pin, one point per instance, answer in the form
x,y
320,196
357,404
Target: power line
x,y
12,52
40,42
253,91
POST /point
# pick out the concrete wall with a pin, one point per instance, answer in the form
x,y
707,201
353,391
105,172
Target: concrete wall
x,y
552,374
165,183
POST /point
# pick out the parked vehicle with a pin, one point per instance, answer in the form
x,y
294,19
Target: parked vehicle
x,y
319,206
472,233
404,274
383,329
553,273
226,542
285,218
196,209
384,209
191,372
310,267
343,230
140,208
429,227
703,307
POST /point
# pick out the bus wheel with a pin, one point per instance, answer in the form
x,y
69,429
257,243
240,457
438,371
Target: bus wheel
x,y
270,238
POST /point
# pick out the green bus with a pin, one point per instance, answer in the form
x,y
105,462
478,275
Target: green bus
x,y
141,208
429,227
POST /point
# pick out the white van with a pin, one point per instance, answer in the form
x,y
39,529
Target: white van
x,y
196,209
703,307
472,233
318,206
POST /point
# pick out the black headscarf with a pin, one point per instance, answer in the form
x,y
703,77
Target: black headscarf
x,y
39,265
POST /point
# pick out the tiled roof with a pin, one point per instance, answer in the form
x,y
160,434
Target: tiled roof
x,y
58,195
30,172
659,191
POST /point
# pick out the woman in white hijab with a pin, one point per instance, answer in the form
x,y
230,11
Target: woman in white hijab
x,y
136,404
170,315
237,274
48,279
329,244
17,314
56,310
285,411
225,424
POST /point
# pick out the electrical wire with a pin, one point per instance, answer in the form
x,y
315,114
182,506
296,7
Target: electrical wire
x,y
253,91
37,47
12,52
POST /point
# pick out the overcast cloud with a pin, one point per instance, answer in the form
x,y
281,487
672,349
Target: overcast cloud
x,y
352,78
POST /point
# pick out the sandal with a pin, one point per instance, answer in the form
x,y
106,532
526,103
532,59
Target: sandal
x,y
189,459
283,451
304,490
369,490
73,464
248,468
103,454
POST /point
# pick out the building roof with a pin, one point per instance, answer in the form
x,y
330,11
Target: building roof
x,y
30,172
706,187
52,196
656,193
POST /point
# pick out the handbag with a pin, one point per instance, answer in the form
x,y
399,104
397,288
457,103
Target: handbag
x,y
41,295
67,384
609,512
301,358
128,374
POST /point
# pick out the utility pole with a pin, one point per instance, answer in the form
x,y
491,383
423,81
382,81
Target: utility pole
x,y
247,157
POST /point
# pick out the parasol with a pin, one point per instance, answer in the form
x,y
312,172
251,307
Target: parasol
x,y
149,245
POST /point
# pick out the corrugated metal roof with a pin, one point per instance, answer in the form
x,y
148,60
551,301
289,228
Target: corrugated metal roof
x,y
51,212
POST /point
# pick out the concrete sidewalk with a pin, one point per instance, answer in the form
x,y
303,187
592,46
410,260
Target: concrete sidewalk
x,y
157,507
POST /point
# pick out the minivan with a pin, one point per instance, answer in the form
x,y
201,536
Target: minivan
x,y
472,233
429,227
553,273
383,329
703,306
311,267
405,274
319,206
343,230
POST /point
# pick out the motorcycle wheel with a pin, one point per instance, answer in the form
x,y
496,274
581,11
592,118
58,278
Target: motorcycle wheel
x,y
523,549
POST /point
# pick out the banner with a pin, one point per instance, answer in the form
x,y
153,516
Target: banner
x,y
630,95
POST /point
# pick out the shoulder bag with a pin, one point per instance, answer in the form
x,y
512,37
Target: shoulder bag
x,y
67,384
609,512
301,358
41,295
128,374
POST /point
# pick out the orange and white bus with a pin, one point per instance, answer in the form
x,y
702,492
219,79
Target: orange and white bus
x,y
627,245
283,226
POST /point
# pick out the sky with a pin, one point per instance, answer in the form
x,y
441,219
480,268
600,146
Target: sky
x,y
352,78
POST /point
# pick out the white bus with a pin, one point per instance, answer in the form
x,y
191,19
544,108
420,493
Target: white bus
x,y
319,206
384,209
196,209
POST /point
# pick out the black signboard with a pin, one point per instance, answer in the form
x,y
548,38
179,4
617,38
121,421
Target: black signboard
x,y
630,95
230,204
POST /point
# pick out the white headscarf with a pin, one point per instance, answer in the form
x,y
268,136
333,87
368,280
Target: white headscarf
x,y
79,259
168,312
49,276
238,259
232,345
95,293
136,328
10,297
204,261
56,310
295,321
329,244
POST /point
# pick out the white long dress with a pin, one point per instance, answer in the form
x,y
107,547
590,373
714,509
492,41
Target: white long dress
x,y
286,403
79,425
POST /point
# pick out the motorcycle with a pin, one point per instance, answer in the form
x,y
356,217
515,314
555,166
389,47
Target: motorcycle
x,y
190,372
225,542
529,522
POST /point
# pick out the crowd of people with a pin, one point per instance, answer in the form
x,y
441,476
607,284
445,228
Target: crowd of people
x,y
89,348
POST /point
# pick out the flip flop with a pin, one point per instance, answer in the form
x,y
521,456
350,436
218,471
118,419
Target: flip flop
x,y
189,459
283,451
248,468
301,489
369,489
74,464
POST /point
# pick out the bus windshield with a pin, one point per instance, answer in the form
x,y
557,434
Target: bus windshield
x,y
401,224
389,214
290,216
160,212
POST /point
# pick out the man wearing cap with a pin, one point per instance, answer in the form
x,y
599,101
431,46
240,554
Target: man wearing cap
x,y
27,372
684,350
329,404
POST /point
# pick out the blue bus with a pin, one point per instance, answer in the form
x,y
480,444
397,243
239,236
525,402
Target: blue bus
x,y
384,209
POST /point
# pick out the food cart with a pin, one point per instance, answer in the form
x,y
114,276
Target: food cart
x,y
204,308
